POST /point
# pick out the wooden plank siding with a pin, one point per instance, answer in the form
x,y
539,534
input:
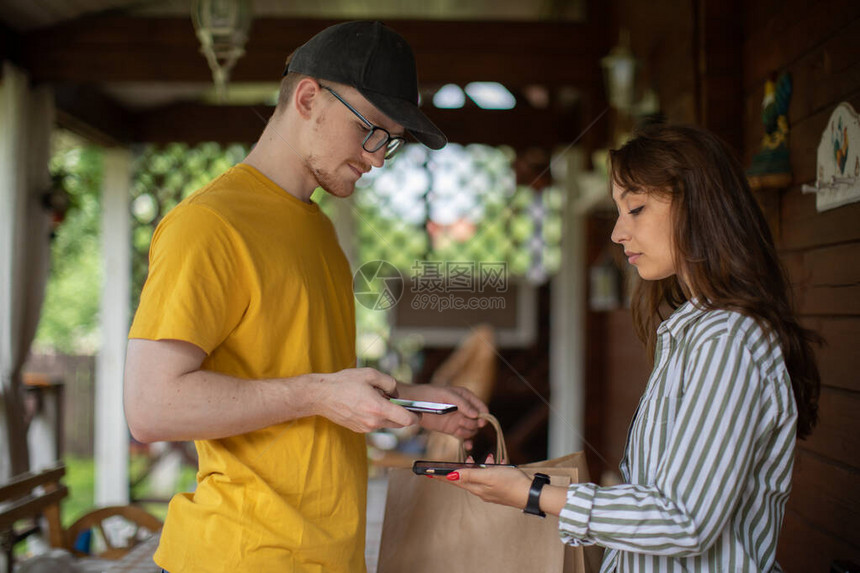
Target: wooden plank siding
x,y
836,437
802,228
819,44
823,284
825,494
805,548
780,32
838,359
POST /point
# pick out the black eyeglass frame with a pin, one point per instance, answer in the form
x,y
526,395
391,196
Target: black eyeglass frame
x,y
393,143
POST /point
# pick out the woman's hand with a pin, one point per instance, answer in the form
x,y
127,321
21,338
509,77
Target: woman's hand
x,y
505,486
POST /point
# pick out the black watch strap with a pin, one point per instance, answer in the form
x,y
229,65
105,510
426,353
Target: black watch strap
x,y
533,504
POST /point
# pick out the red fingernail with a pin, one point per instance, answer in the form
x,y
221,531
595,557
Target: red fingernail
x,y
453,476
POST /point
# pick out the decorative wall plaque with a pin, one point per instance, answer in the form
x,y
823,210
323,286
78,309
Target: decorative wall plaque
x,y
838,170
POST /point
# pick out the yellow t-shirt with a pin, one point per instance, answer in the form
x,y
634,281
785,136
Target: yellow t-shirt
x,y
256,278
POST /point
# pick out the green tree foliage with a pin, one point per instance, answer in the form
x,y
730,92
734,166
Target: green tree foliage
x,y
163,176
69,321
456,204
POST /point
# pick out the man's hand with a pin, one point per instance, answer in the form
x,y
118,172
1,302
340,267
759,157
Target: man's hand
x,y
463,423
357,398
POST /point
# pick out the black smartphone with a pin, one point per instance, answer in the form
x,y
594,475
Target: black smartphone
x,y
428,468
424,407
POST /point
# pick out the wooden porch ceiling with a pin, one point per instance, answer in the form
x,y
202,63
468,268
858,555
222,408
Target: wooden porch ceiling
x,y
84,58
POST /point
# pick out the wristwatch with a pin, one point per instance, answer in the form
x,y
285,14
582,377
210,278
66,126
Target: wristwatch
x,y
533,504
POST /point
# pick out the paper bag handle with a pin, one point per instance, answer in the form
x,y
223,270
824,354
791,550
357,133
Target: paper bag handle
x,y
501,446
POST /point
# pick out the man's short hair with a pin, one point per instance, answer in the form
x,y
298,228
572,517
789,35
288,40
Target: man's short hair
x,y
288,86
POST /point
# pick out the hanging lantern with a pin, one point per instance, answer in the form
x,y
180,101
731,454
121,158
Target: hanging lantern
x,y
619,69
222,27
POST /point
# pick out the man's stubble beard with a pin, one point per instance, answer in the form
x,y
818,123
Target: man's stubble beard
x,y
328,182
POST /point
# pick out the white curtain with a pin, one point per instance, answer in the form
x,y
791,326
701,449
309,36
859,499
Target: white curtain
x,y
26,122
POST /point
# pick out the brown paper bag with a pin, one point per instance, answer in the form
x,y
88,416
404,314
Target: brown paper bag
x,y
432,526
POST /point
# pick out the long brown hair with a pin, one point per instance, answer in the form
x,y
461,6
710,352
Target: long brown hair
x,y
722,246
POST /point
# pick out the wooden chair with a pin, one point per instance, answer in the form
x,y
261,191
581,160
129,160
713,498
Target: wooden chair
x,y
27,498
143,524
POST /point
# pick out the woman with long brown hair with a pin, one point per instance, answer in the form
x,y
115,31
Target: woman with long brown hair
x,y
708,462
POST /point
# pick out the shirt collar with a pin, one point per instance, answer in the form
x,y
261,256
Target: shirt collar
x,y
681,319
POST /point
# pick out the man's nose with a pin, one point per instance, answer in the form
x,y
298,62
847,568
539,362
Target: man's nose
x,y
376,158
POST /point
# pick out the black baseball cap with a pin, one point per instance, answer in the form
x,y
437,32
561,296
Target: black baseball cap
x,y
375,60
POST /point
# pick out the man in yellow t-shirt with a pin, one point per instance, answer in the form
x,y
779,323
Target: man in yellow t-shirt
x,y
244,340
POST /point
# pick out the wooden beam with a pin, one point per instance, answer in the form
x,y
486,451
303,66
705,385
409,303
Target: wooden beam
x,y
10,46
520,128
93,115
195,123
125,49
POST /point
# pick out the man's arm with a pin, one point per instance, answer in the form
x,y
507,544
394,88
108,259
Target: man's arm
x,y
167,397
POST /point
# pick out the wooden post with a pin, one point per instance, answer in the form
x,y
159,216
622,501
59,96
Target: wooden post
x,y
111,430
719,73
13,113
567,325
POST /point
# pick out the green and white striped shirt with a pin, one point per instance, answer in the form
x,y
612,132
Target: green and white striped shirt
x,y
707,467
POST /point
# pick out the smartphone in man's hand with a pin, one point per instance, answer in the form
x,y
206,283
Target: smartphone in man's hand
x,y
424,407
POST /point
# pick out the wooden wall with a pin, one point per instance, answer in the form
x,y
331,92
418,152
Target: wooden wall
x,y
662,37
819,44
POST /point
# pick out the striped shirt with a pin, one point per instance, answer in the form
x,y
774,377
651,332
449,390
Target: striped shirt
x,y
707,466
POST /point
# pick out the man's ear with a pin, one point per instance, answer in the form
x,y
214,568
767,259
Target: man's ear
x,y
305,95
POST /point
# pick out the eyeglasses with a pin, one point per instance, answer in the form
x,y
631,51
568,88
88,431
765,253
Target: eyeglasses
x,y
377,137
